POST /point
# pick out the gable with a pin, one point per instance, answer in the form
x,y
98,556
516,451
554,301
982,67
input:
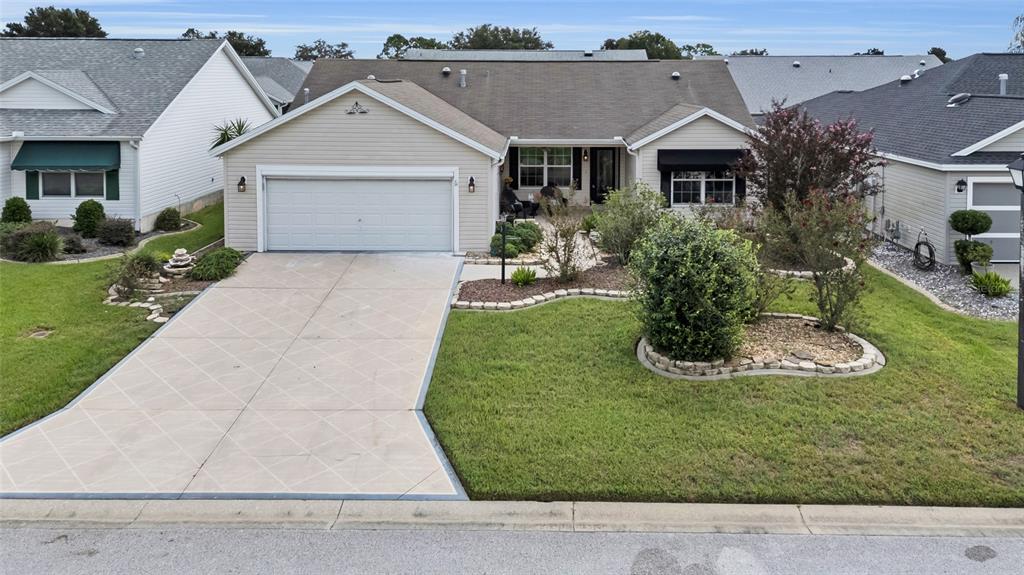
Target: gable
x,y
1012,142
32,94
705,132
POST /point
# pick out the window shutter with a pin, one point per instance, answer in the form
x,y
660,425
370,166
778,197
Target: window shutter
x,y
32,185
513,167
577,167
666,186
113,190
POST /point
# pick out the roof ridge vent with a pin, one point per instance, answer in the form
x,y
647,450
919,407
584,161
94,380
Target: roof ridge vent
x,y
957,99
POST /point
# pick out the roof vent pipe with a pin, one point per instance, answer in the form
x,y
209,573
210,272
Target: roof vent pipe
x,y
305,95
446,71
138,53
462,78
1002,83
796,63
917,73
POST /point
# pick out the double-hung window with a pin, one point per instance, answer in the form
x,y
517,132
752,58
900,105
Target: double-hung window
x,y
71,184
539,167
703,187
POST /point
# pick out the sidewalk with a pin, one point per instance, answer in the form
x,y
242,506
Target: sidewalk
x,y
521,516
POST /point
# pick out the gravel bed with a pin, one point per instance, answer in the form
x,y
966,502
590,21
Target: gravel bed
x,y
778,339
609,276
946,283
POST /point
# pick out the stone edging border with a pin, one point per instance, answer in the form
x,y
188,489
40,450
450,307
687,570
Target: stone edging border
x,y
806,275
539,299
111,256
869,362
493,261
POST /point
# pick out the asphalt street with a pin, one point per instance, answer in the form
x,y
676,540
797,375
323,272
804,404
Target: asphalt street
x,y
182,550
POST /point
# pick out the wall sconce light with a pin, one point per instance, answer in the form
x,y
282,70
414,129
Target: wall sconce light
x,y
472,185
961,186
241,184
586,154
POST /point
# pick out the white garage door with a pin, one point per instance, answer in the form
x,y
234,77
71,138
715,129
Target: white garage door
x,y
1000,200
352,214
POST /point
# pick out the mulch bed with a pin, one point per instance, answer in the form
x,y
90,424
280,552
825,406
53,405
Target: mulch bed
x,y
608,276
777,339
94,249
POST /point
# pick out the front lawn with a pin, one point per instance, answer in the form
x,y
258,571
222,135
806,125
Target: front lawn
x,y
551,404
39,376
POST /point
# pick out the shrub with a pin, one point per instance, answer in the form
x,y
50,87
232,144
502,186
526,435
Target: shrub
x,y
217,265
35,242
970,251
16,210
169,220
73,244
524,276
529,235
512,247
560,250
116,232
693,286
125,275
8,228
970,222
626,216
990,284
589,223
768,287
88,217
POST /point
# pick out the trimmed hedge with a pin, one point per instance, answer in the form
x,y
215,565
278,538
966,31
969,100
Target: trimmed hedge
x,y
169,220
16,210
88,217
116,232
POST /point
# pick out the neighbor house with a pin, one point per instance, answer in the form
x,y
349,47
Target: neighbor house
x,y
441,54
948,134
795,79
280,78
411,154
125,122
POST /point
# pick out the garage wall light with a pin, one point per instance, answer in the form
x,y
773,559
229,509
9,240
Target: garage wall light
x,y
472,185
241,184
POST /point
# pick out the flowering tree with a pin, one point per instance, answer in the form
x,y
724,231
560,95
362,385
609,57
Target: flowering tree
x,y
794,153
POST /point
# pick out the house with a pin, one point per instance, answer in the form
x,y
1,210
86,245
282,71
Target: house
x,y
411,154
125,122
441,54
948,135
280,78
796,79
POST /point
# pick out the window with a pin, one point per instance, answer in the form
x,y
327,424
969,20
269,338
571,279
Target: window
x,y
72,184
539,167
706,187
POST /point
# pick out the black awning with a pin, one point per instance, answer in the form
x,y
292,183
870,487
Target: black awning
x,y
697,159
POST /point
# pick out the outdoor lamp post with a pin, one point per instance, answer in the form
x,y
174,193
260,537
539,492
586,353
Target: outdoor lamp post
x,y
1016,168
502,223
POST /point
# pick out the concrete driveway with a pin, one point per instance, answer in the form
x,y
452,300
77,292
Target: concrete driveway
x,y
302,376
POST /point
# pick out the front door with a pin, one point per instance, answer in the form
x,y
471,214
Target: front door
x,y
604,173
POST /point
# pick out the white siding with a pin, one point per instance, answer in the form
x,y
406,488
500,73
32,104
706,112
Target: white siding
x,y
702,134
1011,143
917,198
62,208
5,170
31,94
176,165
383,137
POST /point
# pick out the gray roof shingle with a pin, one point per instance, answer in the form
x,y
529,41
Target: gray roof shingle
x,y
280,78
105,71
536,100
913,120
525,55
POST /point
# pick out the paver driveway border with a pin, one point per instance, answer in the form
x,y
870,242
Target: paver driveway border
x,y
459,495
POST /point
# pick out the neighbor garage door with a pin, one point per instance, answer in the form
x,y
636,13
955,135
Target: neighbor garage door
x,y
1000,200
353,214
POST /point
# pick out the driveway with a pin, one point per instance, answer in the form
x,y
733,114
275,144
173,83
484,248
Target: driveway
x,y
302,376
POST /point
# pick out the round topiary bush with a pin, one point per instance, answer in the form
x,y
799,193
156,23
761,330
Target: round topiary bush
x,y
694,285
16,210
528,234
88,216
512,246
169,220
217,265
970,222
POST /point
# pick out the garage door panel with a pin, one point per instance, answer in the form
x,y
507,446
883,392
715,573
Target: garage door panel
x,y
317,214
999,200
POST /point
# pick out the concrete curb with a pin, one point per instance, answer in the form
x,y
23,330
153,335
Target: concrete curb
x,y
522,516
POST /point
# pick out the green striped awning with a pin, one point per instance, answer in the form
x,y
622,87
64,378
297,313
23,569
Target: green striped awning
x,y
44,156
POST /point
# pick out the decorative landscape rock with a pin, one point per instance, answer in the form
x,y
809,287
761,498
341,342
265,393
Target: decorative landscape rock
x,y
180,263
538,299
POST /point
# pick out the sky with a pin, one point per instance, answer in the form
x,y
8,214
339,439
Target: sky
x,y
803,27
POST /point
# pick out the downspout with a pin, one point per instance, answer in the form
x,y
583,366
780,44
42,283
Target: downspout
x,y
137,181
636,158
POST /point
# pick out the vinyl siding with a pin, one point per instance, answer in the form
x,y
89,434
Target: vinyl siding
x,y
5,170
31,94
327,136
702,134
1011,143
917,198
62,208
176,165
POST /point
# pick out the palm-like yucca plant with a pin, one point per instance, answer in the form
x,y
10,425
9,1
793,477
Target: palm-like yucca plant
x,y
229,131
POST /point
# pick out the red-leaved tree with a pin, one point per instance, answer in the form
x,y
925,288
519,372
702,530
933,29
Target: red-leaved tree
x,y
794,153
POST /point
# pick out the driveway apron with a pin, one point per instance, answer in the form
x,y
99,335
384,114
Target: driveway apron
x,y
299,377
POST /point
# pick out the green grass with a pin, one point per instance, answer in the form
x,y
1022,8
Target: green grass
x,y
39,376
212,218
551,404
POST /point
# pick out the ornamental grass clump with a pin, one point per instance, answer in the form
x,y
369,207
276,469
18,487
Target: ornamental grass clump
x,y
694,285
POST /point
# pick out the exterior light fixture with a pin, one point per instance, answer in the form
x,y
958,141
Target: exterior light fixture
x,y
586,154
241,184
961,186
472,185
1016,168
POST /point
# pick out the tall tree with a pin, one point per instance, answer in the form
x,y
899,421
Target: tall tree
x,y
1017,39
698,49
321,49
54,22
491,37
658,47
871,52
751,52
244,44
940,54
397,45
